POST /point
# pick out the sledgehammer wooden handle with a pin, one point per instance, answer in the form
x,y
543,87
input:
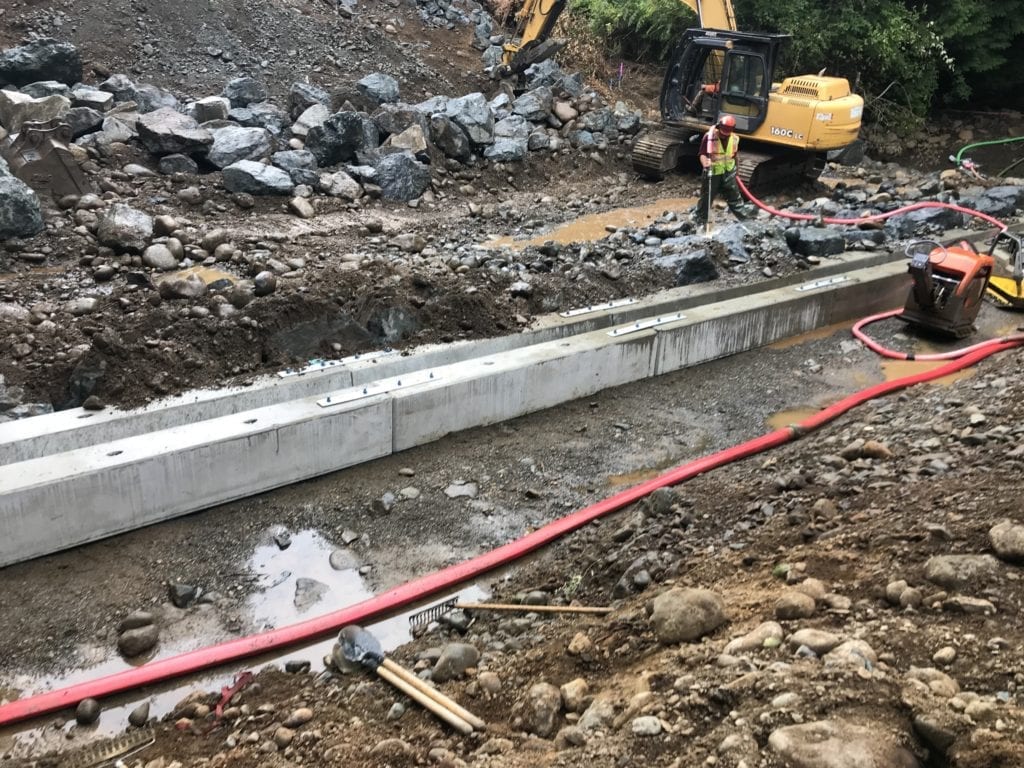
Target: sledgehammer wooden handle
x,y
534,608
425,701
445,701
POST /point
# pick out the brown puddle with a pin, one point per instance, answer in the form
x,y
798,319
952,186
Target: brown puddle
x,y
897,369
593,226
816,335
633,478
208,275
783,419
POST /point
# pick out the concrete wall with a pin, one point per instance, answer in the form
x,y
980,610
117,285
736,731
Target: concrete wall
x,y
54,502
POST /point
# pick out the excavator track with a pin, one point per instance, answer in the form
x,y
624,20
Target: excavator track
x,y
767,170
658,152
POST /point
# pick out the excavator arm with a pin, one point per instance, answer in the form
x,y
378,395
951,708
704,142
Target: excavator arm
x,y
535,22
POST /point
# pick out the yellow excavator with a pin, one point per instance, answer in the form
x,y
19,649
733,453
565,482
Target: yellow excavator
x,y
716,70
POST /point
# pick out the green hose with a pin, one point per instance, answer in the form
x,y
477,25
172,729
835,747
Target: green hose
x,y
959,155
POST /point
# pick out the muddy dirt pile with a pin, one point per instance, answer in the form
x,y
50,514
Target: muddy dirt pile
x,y
852,599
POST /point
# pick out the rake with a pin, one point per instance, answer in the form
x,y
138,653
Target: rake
x,y
435,612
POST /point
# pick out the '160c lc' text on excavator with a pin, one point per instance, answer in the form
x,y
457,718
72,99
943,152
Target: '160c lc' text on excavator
x,y
716,70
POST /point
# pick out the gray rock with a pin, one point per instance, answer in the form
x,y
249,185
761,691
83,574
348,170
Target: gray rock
x,y
474,116
308,592
167,132
412,139
512,127
182,595
646,725
233,144
93,98
454,660
313,116
379,88
794,605
1007,540
395,118
135,642
136,620
83,120
401,176
546,72
340,184
682,615
816,241
343,560
600,714
178,164
261,115
150,98
434,105
997,201
507,150
139,716
958,571
294,160
937,729
20,215
45,88
265,283
17,109
87,712
125,228
188,287
341,136
448,137
243,91
596,121
534,105
257,179
302,96
923,222
159,256
543,703
818,640
43,59
853,652
461,490
689,268
836,744
210,108
122,88
83,305
770,632
538,140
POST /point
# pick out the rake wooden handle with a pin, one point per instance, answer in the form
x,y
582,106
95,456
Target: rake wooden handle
x,y
425,701
536,608
436,695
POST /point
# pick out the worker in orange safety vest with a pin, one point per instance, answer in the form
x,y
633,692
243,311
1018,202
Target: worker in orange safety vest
x,y
717,157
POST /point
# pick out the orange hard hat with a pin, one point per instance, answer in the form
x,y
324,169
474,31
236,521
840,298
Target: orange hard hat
x,y
726,124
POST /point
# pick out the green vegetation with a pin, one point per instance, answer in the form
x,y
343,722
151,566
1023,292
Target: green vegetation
x,y
911,56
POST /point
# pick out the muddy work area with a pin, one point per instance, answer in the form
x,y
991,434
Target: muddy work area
x,y
860,587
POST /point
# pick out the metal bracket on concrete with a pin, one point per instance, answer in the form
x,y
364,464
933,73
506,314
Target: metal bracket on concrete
x,y
824,283
378,388
598,307
641,325
317,366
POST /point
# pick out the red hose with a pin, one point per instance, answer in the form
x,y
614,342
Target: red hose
x,y
448,578
954,354
874,217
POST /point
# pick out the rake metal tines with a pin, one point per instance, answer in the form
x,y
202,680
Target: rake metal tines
x,y
427,616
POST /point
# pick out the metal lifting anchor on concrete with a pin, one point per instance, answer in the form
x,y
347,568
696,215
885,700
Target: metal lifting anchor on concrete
x,y
360,647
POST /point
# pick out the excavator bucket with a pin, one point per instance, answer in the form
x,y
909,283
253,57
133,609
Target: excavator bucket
x,y
39,156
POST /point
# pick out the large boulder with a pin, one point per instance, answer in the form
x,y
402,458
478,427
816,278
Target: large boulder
x,y
395,118
233,144
40,60
816,241
1007,539
340,184
302,96
837,744
379,88
263,114
257,179
341,136
121,87
507,150
150,98
473,114
534,105
243,91
20,215
94,98
310,118
125,228
924,221
294,160
412,139
997,201
210,108
19,108
682,615
512,127
402,177
168,132
46,88
690,266
83,120
448,137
